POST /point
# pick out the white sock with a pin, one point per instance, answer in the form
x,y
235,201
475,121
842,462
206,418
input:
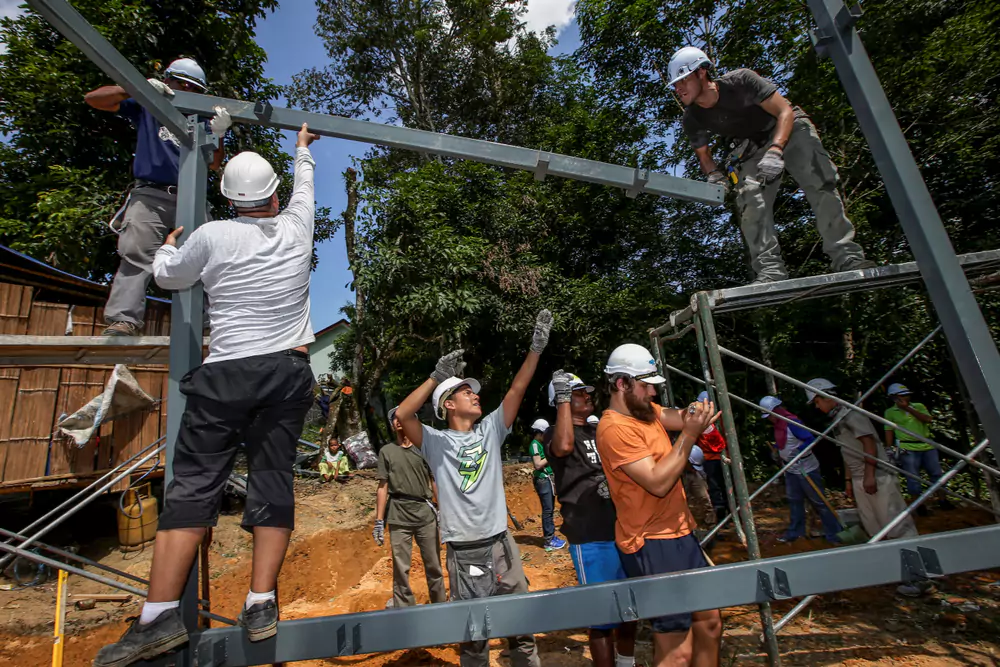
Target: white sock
x,y
254,598
152,610
624,660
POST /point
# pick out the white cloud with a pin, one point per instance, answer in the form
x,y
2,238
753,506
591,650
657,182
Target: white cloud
x,y
543,13
10,9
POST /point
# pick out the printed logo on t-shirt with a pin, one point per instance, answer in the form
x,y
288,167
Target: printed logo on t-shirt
x,y
472,461
592,454
166,135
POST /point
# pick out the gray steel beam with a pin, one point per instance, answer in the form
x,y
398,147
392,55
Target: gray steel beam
x,y
186,327
730,585
76,29
541,163
967,332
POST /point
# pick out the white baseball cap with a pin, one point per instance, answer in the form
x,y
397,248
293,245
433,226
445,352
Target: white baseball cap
x,y
769,403
593,419
574,383
635,361
444,391
897,389
539,425
821,384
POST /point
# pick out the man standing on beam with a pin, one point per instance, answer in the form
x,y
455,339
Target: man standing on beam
x,y
255,388
483,559
768,135
149,212
654,529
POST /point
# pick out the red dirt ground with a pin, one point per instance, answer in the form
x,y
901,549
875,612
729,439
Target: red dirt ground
x,y
334,567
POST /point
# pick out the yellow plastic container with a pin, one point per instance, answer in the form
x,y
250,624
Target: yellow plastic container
x,y
138,517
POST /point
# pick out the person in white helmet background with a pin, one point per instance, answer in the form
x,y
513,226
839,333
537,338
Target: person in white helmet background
x,y
544,482
803,479
150,210
587,510
482,558
772,136
255,387
913,455
875,490
654,530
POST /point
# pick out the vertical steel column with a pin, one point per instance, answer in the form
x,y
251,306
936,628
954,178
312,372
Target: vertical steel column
x,y
666,391
947,286
186,333
727,475
704,315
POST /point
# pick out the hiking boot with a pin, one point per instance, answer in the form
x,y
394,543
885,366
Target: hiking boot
x,y
260,620
122,329
555,544
144,641
857,265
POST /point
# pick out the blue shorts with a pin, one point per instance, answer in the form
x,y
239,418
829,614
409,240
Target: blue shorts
x,y
664,557
596,562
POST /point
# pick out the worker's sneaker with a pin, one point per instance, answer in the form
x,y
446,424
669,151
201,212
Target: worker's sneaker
x,y
122,329
260,620
144,640
554,544
767,278
915,589
857,265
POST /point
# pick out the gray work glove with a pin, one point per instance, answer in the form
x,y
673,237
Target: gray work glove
x,y
719,178
378,533
161,88
543,324
450,365
560,385
771,165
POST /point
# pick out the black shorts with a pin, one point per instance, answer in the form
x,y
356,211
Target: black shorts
x,y
663,557
259,401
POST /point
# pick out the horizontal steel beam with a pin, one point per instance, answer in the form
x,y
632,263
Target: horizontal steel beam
x,y
582,606
76,29
542,163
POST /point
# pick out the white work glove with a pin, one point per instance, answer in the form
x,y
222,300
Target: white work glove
x,y
450,365
771,165
221,122
161,88
719,178
560,386
543,324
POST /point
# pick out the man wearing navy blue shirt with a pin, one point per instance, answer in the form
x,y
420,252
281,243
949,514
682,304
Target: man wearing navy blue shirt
x,y
151,208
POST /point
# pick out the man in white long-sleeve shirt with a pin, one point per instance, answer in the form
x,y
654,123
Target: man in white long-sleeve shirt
x,y
255,388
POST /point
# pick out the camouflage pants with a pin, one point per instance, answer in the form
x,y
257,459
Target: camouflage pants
x,y
811,167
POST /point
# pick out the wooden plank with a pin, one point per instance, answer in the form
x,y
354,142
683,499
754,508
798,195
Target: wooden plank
x,y
9,378
84,323
86,458
15,307
77,387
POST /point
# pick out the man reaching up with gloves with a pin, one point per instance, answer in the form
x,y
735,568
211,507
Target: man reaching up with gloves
x,y
464,458
773,136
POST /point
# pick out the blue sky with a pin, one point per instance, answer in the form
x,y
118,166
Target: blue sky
x,y
292,24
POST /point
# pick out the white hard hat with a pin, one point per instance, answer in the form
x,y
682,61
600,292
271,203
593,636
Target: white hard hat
x,y
818,383
574,384
897,389
634,360
540,425
444,390
249,180
593,419
769,403
684,61
697,457
187,69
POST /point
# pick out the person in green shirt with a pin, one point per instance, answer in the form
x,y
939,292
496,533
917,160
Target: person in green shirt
x,y
914,455
545,485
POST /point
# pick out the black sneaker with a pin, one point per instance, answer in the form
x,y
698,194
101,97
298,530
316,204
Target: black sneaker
x,y
260,620
144,641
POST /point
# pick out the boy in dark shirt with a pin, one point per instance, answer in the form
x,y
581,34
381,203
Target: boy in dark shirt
x,y
587,511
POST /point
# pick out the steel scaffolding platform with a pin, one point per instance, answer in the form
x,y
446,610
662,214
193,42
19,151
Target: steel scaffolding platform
x,y
753,582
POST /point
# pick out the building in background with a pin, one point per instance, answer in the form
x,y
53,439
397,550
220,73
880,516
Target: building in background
x,y
319,351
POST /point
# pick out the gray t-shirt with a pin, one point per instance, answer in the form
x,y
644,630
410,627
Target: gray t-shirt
x,y
848,431
469,475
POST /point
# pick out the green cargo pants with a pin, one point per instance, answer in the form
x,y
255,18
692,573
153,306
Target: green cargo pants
x,y
811,167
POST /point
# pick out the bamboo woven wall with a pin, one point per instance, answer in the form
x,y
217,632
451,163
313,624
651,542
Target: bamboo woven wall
x,y
32,399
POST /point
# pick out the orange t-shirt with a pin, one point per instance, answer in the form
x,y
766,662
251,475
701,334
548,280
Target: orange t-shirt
x,y
641,515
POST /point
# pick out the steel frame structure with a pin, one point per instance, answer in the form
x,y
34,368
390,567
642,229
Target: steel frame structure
x,y
755,581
